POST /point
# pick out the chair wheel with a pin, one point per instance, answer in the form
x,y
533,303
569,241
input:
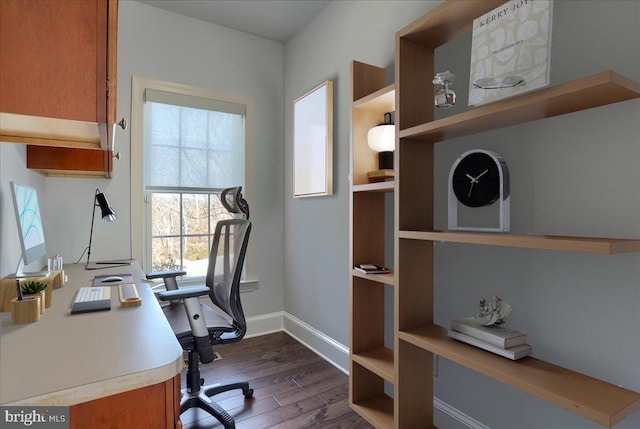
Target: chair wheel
x,y
248,393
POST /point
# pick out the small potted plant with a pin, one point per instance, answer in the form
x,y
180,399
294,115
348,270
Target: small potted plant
x,y
36,289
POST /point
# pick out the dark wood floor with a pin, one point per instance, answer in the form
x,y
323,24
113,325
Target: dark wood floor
x,y
293,387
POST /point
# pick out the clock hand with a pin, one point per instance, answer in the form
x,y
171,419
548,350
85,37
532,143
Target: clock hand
x,y
470,189
471,177
481,174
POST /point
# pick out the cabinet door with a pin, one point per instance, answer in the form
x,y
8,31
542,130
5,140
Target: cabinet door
x,y
156,406
53,57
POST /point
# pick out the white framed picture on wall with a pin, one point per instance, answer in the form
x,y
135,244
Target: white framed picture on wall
x,y
313,142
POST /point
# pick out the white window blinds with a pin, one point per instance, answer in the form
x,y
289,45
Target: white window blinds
x,y
192,142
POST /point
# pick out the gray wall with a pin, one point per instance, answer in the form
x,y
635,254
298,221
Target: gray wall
x,y
577,174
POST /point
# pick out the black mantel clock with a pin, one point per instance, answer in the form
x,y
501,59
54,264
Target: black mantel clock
x,y
479,178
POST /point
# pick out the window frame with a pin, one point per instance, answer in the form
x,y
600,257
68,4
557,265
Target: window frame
x,y
140,237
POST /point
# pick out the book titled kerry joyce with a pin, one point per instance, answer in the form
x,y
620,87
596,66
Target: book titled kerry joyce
x,y
510,51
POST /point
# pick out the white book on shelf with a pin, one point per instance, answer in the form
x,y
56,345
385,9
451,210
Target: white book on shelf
x,y
513,353
496,335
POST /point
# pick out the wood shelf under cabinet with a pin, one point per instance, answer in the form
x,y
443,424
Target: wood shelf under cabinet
x,y
597,400
69,162
379,361
581,94
606,246
378,410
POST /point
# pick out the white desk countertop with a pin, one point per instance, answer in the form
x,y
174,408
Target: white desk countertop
x,y
66,359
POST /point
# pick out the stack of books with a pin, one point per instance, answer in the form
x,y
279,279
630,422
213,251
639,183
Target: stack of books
x,y
495,339
371,269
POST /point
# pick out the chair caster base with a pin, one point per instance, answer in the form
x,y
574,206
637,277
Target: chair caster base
x,y
202,399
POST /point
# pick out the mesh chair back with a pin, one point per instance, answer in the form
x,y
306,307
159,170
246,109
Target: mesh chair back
x,y
233,201
225,268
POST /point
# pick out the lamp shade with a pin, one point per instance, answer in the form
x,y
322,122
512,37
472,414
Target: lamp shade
x,y
382,138
108,213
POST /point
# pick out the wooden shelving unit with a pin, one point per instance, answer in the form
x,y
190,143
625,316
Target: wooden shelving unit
x,y
417,339
371,363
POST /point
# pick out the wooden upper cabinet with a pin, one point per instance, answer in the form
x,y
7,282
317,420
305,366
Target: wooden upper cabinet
x,y
58,74
53,58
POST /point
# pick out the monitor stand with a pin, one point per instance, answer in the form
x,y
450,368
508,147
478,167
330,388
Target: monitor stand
x,y
20,273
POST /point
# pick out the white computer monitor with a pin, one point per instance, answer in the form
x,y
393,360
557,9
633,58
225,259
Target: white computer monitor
x,y
30,231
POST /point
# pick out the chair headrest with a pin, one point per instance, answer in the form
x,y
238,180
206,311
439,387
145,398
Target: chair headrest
x,y
234,202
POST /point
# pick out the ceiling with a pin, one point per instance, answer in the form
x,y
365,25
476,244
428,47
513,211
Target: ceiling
x,y
277,20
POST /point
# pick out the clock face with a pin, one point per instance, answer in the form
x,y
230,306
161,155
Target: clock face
x,y
476,180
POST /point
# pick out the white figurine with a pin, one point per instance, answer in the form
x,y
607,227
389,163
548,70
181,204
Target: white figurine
x,y
446,97
493,313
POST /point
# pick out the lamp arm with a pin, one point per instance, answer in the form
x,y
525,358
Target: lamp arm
x,y
93,216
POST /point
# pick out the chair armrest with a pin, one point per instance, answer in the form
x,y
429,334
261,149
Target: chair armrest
x,y
185,293
166,274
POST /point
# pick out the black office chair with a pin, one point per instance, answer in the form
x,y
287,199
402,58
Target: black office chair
x,y
198,327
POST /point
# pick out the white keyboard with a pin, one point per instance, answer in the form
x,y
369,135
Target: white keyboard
x,y
88,294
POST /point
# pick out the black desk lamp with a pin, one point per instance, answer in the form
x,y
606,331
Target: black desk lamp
x,y
108,215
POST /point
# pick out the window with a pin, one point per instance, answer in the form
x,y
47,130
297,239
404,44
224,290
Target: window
x,y
193,148
182,226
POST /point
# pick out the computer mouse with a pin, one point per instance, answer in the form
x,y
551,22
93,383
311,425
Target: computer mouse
x,y
111,279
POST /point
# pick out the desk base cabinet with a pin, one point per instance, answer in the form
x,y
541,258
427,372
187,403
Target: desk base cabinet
x,y
155,406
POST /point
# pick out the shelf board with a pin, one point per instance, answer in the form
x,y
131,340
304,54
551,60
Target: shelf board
x,y
606,246
383,100
379,361
597,400
387,278
375,187
581,94
447,21
377,410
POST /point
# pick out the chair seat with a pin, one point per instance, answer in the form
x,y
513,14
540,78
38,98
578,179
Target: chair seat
x,y
177,317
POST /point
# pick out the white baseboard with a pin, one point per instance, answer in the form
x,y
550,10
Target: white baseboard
x,y
326,347
457,415
332,351
265,324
